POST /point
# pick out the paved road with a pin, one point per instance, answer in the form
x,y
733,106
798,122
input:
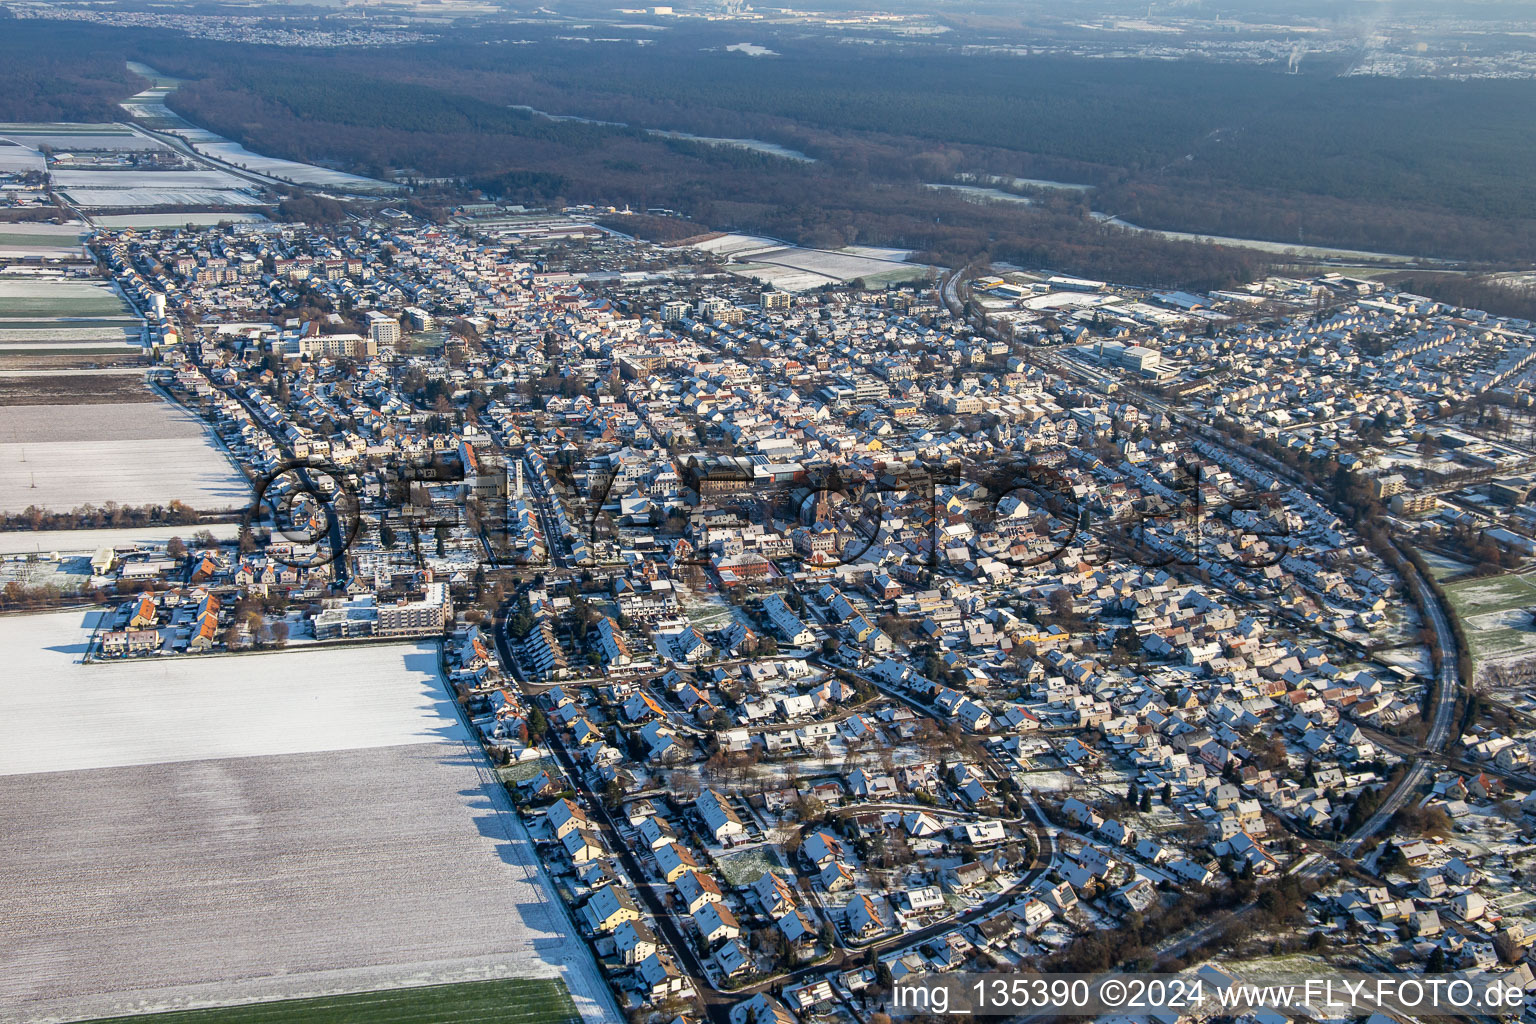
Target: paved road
x,y
1447,687
716,1005
1447,683
332,516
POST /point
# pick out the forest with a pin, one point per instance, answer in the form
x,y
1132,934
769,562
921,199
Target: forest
x,y
1491,295
1433,168
66,73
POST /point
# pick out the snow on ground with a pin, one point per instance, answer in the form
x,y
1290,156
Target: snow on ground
x,y
63,333
878,252
781,278
1414,659
21,542
792,268
16,159
24,240
1260,245
175,220
237,155
983,195
1443,566
135,453
67,137
65,476
147,179
751,145
55,297
206,831
111,199
184,708
121,421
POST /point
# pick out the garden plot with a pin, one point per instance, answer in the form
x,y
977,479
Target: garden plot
x,y
60,457
748,866
201,831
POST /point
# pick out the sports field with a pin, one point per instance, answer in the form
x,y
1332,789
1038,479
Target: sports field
x,y
506,1001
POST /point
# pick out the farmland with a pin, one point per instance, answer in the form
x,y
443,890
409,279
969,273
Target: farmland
x,y
793,268
77,425
178,707
19,159
173,220
24,357
103,335
60,457
77,136
26,297
221,149
33,240
149,108
297,825
508,1001
83,387
108,189
22,542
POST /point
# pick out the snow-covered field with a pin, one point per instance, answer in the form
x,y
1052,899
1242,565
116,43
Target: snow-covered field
x,y
792,268
147,179
752,145
174,220
15,159
67,137
133,453
63,333
113,199
23,542
98,189
983,195
63,476
55,297
183,709
237,155
150,106
185,832
26,240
